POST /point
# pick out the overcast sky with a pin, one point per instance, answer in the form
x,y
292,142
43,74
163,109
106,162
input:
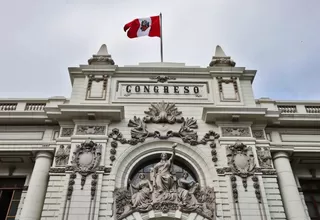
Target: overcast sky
x,y
40,39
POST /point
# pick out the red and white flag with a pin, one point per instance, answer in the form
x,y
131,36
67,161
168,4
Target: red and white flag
x,y
144,27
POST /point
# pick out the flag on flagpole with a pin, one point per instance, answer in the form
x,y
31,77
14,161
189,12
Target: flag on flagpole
x,y
144,27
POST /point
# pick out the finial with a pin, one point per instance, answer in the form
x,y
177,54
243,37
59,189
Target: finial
x,y
219,52
221,59
103,51
102,57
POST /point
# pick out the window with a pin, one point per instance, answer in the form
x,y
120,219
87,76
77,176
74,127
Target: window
x,y
145,167
311,192
10,194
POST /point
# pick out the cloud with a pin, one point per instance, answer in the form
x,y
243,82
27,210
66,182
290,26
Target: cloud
x,y
278,38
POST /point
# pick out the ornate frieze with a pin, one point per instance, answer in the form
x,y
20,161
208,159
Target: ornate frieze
x,y
94,130
164,192
62,155
162,78
235,132
163,113
264,157
258,134
66,132
241,160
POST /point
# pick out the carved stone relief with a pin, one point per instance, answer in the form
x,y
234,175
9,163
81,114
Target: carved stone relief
x,y
235,132
164,192
241,160
139,133
85,161
95,130
67,132
163,113
258,134
62,155
162,78
264,157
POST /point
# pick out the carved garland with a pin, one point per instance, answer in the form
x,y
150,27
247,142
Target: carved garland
x,y
241,161
85,161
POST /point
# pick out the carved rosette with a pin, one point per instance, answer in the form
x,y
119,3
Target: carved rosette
x,y
241,161
163,113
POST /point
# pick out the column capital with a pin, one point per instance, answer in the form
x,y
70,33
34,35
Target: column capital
x,y
280,154
45,154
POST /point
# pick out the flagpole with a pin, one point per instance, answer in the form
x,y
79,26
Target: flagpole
x,y
161,46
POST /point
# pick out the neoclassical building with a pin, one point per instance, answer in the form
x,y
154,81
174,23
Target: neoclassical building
x,y
159,141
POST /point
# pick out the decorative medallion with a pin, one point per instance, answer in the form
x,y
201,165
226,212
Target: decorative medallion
x,y
85,161
241,161
164,192
163,113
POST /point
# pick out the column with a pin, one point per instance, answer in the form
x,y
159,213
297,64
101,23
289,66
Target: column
x,y
288,188
33,202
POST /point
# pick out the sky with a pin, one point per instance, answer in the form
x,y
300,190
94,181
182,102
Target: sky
x,y
40,39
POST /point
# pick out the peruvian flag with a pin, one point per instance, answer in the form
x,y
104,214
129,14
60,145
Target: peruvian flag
x,y
144,27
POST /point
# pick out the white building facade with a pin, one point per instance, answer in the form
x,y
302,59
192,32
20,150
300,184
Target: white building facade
x,y
159,140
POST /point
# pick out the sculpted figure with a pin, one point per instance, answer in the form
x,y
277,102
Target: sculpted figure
x,y
186,188
141,199
163,179
60,156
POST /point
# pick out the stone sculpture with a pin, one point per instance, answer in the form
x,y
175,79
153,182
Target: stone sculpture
x,y
164,192
62,155
141,199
